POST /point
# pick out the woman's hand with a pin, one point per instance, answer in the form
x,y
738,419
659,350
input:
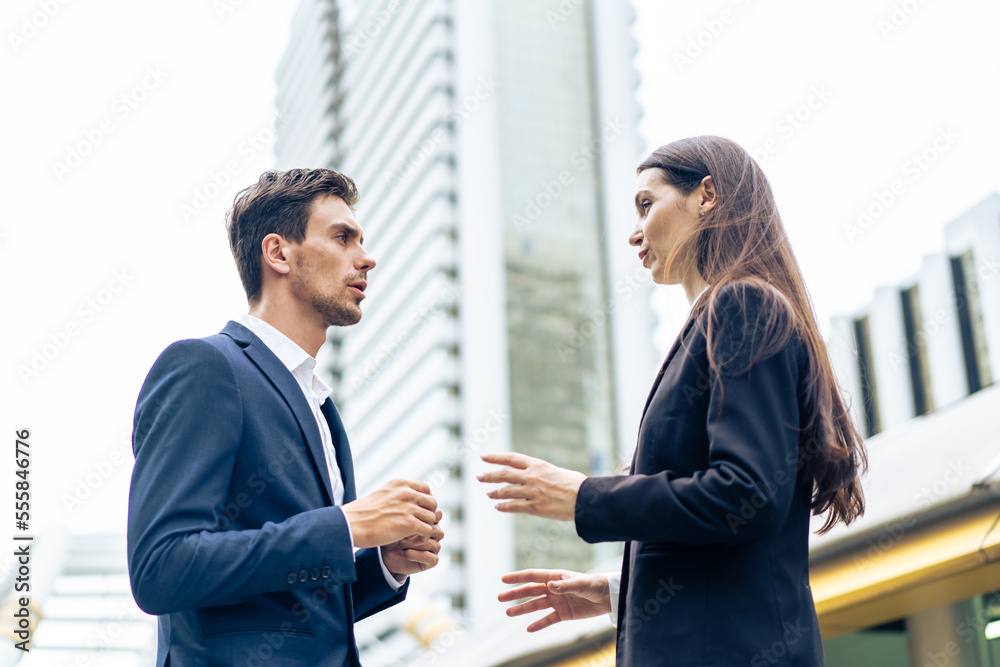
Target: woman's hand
x,y
536,486
570,595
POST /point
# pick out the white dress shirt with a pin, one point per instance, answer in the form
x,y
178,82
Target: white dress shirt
x,y
303,369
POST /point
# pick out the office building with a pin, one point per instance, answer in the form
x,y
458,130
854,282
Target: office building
x,y
494,144
916,581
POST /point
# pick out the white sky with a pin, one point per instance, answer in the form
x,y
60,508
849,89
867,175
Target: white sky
x,y
63,239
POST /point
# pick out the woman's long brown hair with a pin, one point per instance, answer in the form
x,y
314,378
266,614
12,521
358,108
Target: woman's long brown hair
x,y
742,240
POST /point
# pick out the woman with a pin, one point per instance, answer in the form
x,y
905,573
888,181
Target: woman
x,y
743,436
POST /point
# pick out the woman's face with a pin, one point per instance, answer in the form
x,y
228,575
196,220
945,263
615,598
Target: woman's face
x,y
666,217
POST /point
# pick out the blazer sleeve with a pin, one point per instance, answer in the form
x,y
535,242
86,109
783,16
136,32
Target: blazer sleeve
x,y
373,593
746,491
186,436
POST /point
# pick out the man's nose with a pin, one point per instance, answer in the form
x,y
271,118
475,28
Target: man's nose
x,y
365,261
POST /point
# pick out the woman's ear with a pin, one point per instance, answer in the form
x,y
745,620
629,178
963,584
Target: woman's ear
x,y
706,195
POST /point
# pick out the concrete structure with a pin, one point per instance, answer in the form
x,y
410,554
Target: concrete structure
x,y
80,585
494,145
915,581
935,338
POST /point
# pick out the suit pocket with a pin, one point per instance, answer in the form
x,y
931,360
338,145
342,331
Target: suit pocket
x,y
275,613
683,550
666,607
258,629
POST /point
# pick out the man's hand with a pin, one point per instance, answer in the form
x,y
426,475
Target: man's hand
x,y
569,595
400,509
536,487
412,554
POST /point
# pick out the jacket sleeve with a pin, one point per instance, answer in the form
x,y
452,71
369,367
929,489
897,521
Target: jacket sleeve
x,y
747,489
186,435
372,593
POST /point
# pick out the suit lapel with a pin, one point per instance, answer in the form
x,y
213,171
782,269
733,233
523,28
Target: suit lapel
x,y
340,443
670,355
629,545
285,383
656,383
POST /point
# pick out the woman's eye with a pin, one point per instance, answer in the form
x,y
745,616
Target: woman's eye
x,y
645,206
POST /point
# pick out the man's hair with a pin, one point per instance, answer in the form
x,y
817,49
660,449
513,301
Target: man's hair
x,y
278,203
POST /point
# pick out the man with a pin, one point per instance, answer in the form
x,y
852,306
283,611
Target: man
x,y
243,515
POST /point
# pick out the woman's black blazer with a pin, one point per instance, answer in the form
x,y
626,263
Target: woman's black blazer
x,y
714,512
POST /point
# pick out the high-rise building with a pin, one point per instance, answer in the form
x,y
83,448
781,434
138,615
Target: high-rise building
x,y
919,366
932,341
494,144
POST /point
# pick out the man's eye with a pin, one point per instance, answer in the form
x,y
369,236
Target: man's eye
x,y
342,237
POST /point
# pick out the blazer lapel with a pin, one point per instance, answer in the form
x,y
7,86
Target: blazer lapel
x,y
344,460
656,383
285,383
670,355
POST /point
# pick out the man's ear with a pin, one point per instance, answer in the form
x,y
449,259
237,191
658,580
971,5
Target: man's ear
x,y
275,256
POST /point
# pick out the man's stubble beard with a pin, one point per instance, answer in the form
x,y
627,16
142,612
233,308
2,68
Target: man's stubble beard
x,y
335,312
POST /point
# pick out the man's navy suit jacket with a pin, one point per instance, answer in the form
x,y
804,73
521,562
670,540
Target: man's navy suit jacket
x,y
715,514
233,539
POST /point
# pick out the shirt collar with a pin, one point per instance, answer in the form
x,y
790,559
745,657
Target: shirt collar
x,y
288,352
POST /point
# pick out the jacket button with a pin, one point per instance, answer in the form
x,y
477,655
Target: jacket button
x,y
304,576
327,571
291,578
314,575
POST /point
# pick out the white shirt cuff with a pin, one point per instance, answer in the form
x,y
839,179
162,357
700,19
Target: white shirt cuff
x,y
390,578
350,535
614,588
395,583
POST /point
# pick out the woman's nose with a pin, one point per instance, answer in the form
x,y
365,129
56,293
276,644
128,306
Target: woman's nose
x,y
636,237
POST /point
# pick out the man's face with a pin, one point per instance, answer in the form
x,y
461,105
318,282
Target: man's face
x,y
331,266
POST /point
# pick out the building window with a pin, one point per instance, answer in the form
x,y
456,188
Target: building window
x,y
916,351
970,322
866,373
